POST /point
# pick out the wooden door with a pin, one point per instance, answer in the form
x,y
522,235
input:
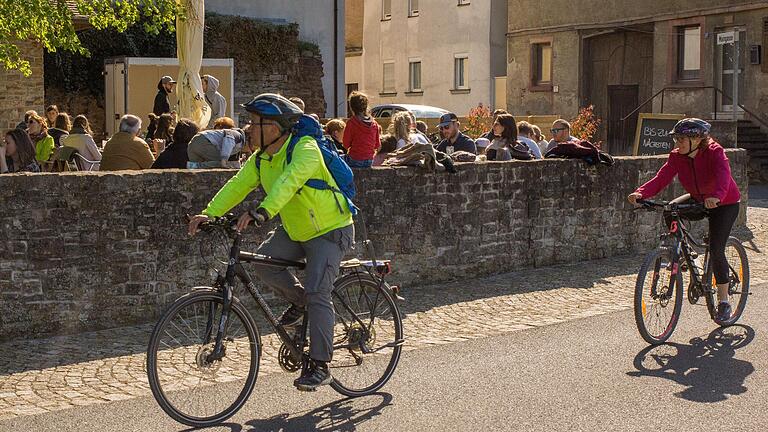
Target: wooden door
x,y
622,100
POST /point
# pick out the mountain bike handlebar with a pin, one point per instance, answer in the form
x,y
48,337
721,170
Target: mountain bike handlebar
x,y
652,205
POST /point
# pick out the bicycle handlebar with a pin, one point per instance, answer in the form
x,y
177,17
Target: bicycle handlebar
x,y
669,206
228,222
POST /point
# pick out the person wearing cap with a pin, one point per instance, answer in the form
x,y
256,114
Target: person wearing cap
x,y
316,224
482,145
453,139
701,166
164,88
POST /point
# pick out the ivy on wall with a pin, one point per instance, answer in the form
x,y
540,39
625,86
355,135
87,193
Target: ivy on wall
x,y
255,45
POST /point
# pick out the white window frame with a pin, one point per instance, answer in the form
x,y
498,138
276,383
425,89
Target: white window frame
x,y
413,11
385,16
411,87
464,71
384,88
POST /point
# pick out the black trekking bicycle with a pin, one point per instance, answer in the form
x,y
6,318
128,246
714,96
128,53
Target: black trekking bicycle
x,y
204,353
659,288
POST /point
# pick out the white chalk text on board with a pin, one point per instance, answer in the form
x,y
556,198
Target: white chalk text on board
x,y
652,136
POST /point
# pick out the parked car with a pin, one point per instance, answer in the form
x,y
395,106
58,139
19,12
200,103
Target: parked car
x,y
420,111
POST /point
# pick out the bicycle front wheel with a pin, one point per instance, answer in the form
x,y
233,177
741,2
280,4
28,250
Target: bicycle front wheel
x,y
368,335
738,283
658,296
188,385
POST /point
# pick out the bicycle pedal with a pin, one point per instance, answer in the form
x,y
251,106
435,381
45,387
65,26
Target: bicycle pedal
x,y
305,389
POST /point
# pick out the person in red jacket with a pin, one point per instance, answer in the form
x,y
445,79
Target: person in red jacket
x,y
701,165
361,136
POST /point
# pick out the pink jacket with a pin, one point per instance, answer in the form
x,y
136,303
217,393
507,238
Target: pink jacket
x,y
708,175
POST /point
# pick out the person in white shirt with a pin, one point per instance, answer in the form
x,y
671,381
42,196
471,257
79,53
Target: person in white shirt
x,y
418,136
400,128
540,139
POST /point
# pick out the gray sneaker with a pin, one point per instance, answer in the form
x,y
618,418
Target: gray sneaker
x,y
723,312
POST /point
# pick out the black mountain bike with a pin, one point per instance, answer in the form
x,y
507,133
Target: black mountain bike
x,y
203,355
659,288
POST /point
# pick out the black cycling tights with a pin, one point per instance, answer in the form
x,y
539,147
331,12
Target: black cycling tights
x,y
721,220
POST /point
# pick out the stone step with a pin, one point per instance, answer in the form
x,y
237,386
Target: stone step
x,y
753,138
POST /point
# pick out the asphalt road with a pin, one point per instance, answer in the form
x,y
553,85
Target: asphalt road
x,y
583,375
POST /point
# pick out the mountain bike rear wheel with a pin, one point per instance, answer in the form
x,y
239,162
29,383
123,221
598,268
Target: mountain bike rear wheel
x,y
658,296
738,289
189,387
368,335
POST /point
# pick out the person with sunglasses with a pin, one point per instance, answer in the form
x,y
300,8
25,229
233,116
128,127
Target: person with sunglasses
x,y
314,226
702,167
453,139
561,132
38,133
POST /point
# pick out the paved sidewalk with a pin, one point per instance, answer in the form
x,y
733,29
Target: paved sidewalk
x,y
57,373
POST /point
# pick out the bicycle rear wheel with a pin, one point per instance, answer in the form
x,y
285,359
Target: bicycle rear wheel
x,y
368,335
190,388
738,289
658,296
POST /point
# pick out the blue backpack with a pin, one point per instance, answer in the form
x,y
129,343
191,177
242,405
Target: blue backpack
x,y
340,171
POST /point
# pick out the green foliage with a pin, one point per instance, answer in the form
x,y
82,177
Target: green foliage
x,y
73,72
255,45
309,46
51,23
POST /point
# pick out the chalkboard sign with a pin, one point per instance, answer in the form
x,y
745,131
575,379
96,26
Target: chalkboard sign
x,y
652,136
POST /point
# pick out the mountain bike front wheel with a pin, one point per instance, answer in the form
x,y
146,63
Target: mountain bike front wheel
x,y
189,386
658,296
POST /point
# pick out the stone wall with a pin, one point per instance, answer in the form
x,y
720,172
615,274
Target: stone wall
x,y
95,250
19,93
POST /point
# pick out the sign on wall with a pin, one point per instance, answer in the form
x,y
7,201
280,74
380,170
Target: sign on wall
x,y
727,37
652,136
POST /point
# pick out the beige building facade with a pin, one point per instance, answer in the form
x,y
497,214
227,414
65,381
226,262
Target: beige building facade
x,y
444,53
671,54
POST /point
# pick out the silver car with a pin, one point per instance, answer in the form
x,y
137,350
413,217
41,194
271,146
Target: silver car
x,y
419,111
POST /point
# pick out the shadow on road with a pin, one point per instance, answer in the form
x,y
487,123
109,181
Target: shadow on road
x,y
706,367
343,415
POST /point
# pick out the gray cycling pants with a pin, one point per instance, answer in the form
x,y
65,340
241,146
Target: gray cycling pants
x,y
323,254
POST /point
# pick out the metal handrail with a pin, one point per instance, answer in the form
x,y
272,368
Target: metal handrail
x,y
714,102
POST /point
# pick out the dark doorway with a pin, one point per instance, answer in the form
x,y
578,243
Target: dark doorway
x,y
622,100
621,57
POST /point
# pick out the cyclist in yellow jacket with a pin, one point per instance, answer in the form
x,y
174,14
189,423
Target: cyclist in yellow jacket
x,y
314,225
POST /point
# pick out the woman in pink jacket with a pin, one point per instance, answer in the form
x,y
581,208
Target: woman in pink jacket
x,y
702,167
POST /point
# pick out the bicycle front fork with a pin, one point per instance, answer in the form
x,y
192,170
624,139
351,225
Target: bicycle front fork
x,y
219,350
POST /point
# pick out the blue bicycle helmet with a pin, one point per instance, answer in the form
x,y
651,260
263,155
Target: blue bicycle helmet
x,y
691,127
275,107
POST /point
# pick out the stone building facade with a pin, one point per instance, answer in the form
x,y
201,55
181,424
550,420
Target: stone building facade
x,y
19,93
563,56
444,53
